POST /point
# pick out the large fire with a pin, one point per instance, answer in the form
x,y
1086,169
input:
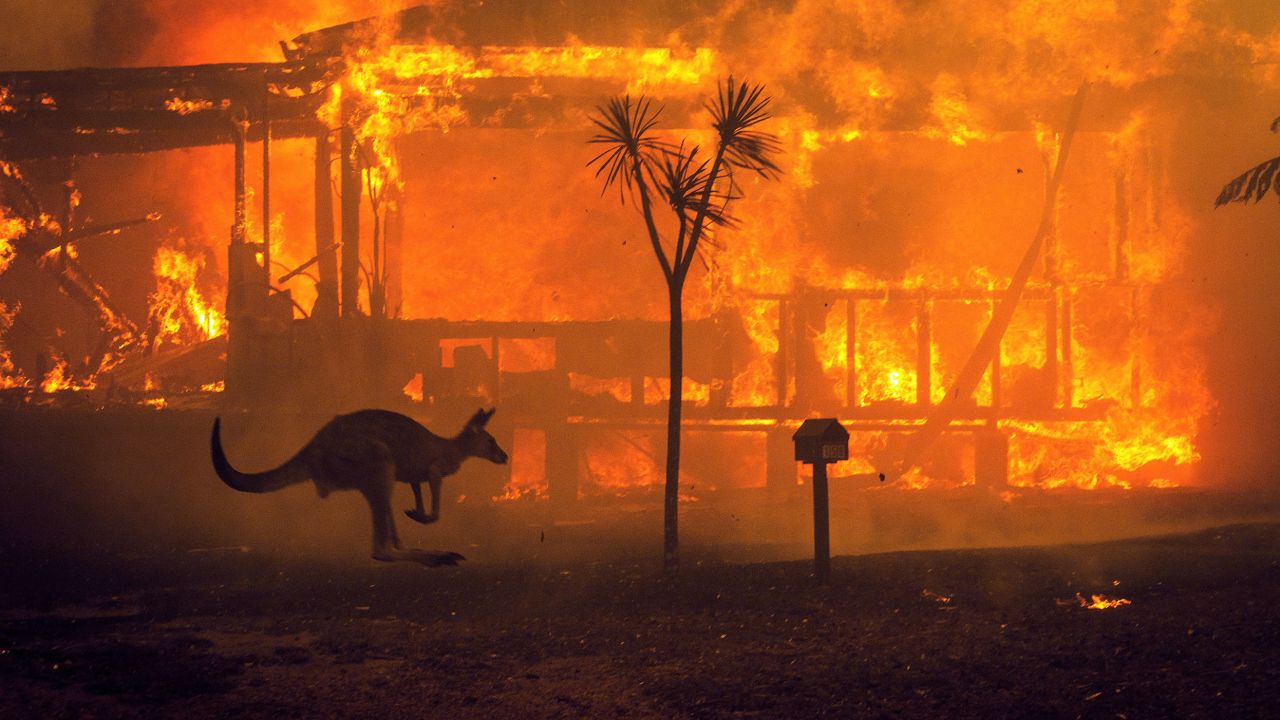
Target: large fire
x,y
913,186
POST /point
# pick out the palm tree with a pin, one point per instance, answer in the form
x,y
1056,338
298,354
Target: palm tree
x,y
698,191
1255,182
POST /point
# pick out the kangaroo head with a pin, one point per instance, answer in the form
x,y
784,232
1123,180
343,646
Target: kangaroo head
x,y
475,441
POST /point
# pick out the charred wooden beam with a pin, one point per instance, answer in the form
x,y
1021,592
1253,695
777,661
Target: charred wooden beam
x,y
349,180
327,287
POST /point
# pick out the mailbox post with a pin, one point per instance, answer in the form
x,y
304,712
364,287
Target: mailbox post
x,y
819,442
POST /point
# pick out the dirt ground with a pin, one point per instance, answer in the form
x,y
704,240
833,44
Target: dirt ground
x,y
229,632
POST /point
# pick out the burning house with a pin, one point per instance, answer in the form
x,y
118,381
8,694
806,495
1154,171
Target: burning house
x,y
396,211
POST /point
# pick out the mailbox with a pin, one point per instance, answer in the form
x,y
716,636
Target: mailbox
x,y
820,441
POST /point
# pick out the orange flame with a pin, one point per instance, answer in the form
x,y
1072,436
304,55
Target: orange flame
x,y
179,310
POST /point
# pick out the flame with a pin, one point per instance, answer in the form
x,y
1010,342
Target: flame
x,y
413,388
953,118
179,311
1137,373
936,597
10,376
61,378
187,107
1101,602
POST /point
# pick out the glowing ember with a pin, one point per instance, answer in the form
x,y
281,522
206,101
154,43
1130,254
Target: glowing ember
x,y
931,595
528,468
187,107
1101,602
413,388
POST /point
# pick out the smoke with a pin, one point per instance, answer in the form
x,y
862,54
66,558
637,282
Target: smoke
x,y
39,35
918,140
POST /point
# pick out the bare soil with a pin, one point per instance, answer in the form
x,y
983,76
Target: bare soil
x,y
229,632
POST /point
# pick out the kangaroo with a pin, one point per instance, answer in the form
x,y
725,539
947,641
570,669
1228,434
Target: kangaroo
x,y
368,451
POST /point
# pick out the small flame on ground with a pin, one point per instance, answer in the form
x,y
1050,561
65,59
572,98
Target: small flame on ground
x,y
936,597
1101,602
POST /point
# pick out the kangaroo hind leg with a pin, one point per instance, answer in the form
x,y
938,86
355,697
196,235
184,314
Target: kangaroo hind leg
x,y
386,542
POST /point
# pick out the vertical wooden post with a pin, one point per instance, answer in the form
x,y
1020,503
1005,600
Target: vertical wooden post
x,y
69,200
996,391
350,189
563,447
235,253
1121,223
393,265
266,188
821,524
238,140
924,354
327,288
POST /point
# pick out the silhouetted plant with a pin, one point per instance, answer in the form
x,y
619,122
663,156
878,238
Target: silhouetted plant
x,y
1255,182
698,191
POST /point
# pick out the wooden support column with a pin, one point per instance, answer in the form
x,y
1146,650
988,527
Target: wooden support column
x,y
924,353
70,201
327,288
235,253
350,189
393,253
563,448
997,394
821,524
266,189
1121,225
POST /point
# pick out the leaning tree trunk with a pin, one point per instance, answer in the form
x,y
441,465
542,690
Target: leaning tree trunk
x,y
671,498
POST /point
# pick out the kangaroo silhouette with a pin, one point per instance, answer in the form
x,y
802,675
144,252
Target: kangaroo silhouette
x,y
369,451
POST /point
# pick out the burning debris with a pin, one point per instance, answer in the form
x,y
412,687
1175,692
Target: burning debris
x,y
1101,602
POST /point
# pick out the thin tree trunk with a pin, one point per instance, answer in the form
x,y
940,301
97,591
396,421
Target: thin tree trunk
x,y
671,499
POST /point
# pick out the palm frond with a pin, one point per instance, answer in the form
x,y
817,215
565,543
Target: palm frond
x,y
1253,185
626,130
735,111
683,180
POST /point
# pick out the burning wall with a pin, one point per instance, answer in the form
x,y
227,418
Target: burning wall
x,y
917,157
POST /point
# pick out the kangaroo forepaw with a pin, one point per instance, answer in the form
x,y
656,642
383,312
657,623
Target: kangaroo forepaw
x,y
420,517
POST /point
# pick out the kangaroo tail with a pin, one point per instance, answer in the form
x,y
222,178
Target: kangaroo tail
x,y
290,473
